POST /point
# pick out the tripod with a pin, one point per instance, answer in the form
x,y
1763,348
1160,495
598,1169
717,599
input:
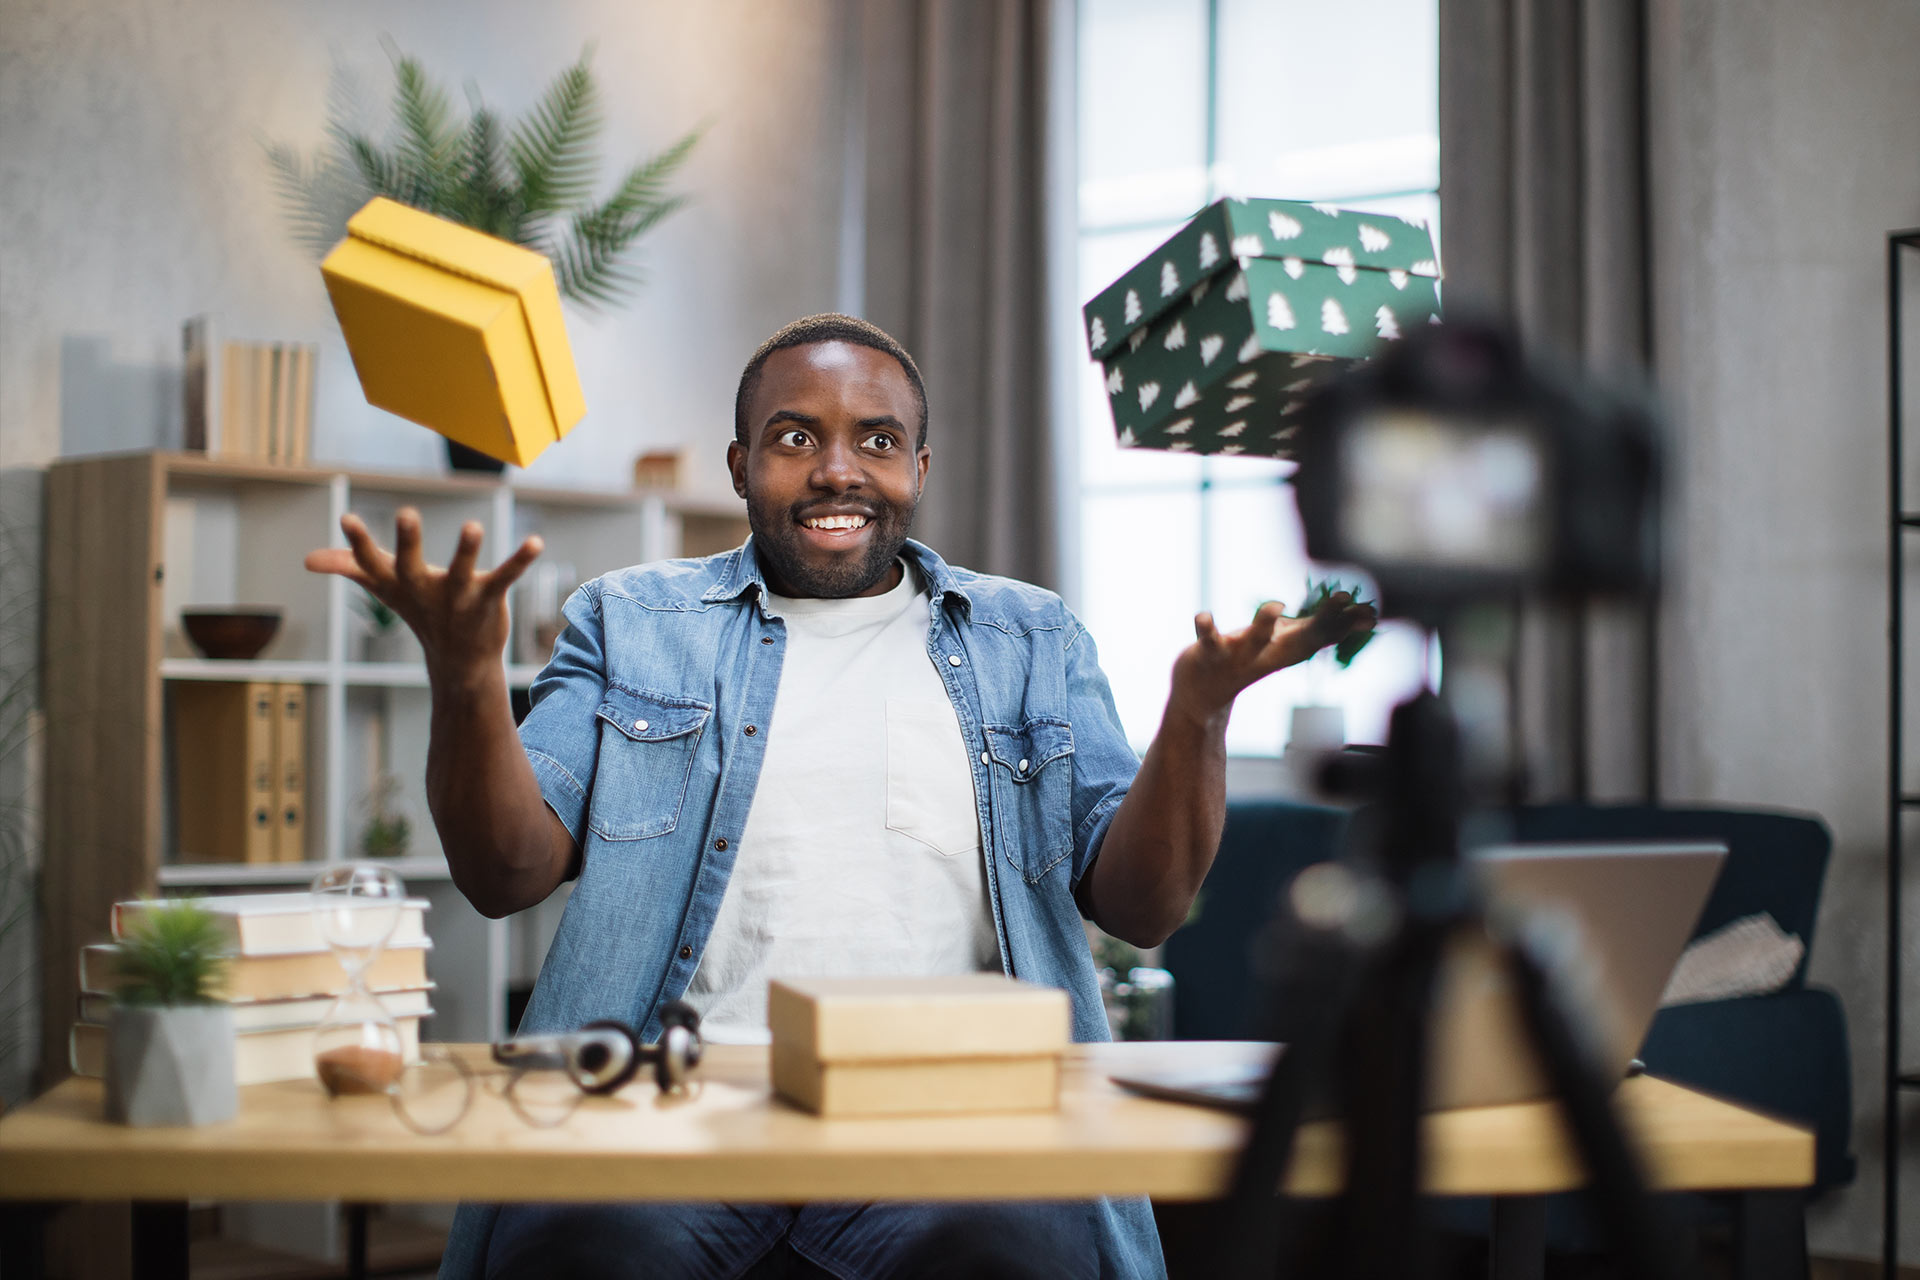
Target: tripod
x,y
1395,912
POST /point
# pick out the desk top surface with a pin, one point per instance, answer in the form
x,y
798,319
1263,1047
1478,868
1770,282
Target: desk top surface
x,y
731,1140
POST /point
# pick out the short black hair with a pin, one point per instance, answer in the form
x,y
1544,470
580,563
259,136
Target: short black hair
x,y
828,326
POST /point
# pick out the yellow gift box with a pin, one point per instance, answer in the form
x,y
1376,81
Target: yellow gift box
x,y
456,330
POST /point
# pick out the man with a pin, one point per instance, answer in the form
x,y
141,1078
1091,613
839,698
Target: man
x,y
825,752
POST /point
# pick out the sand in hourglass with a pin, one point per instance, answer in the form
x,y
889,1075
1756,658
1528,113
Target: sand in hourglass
x,y
357,1068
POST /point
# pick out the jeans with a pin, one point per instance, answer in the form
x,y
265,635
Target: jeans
x,y
850,1242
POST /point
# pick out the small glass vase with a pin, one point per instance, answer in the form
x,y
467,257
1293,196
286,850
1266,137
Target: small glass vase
x,y
357,1047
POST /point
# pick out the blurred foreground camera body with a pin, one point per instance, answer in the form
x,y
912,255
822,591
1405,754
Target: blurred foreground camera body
x,y
1454,470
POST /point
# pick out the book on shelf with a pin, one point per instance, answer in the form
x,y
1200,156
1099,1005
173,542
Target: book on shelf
x,y
271,924
277,977
247,401
290,772
260,1057
223,742
271,1015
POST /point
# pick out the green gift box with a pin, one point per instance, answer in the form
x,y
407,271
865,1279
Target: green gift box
x,y
1214,339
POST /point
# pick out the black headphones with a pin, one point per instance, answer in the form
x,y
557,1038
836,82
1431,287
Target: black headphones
x,y
603,1055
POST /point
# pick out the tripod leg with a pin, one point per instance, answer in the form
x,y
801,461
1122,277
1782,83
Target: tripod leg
x,y
1517,1241
1633,1221
1770,1236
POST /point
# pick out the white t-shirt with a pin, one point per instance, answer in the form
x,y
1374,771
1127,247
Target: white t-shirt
x,y
861,853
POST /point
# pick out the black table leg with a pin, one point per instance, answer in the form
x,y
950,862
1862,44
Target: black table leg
x,y
159,1240
356,1242
23,1239
1770,1235
1517,1244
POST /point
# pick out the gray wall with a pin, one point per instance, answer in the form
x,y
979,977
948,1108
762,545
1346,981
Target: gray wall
x,y
1787,143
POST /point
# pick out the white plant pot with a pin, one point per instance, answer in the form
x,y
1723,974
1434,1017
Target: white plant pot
x,y
170,1065
1316,730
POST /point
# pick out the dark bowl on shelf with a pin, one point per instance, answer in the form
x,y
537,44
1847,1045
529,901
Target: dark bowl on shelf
x,y
230,633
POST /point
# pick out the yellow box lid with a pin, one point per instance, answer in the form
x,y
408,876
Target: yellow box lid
x,y
456,330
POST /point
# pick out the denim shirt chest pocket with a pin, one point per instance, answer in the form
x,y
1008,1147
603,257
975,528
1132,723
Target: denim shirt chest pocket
x,y
647,743
1030,771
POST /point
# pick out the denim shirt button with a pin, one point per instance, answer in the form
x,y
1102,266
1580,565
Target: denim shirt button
x,y
686,953
953,659
639,726
721,844
1023,766
983,757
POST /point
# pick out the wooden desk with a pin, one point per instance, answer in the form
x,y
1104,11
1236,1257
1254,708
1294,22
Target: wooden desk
x,y
730,1140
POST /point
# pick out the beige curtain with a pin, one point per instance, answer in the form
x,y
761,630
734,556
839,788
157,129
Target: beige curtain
x,y
1542,193
957,100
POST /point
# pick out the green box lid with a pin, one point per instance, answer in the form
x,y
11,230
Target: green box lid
x,y
1233,230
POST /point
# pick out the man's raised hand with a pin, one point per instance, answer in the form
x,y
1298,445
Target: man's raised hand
x,y
1211,672
459,613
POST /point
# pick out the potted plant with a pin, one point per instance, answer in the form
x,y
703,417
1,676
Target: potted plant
x,y
170,1034
530,182
387,831
1320,724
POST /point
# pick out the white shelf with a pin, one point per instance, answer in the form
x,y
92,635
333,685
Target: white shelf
x,y
218,874
242,669
413,675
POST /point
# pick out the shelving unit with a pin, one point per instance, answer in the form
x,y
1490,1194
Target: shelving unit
x,y
1903,797
133,538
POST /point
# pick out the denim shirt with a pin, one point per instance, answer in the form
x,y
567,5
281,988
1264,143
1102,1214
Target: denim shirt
x,y
647,732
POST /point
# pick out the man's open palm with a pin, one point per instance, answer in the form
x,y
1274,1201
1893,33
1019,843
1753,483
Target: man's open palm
x,y
459,613
1214,669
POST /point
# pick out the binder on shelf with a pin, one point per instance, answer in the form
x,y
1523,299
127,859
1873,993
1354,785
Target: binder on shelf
x,y
223,752
290,773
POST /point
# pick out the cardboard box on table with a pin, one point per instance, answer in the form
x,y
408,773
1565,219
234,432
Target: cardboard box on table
x,y
456,330
1212,340
917,1046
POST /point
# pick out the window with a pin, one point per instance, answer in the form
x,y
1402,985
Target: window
x,y
1183,101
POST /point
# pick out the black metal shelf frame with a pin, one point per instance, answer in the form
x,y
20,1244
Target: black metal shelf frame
x,y
1903,253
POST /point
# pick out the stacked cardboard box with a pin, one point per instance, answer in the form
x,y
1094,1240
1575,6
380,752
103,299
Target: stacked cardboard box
x,y
280,978
917,1046
247,401
1211,343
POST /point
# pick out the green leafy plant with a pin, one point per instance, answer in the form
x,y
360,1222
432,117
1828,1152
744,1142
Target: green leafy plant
x,y
174,954
387,831
1318,593
530,182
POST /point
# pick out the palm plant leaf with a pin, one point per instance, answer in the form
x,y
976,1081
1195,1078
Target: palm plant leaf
x,y
318,197
429,143
552,149
591,266
483,196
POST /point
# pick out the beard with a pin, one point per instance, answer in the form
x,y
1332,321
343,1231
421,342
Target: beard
x,y
796,569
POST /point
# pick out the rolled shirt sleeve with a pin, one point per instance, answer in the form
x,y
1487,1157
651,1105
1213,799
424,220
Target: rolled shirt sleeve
x,y
560,734
1103,763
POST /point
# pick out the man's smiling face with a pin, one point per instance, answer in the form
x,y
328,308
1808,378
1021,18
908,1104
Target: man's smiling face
x,y
831,470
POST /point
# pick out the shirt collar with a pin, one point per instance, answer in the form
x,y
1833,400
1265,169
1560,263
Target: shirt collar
x,y
742,575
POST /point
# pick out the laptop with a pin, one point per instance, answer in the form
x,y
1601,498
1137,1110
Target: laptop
x,y
1627,907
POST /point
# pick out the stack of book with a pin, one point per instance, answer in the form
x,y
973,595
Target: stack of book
x,y
248,401
917,1046
280,978
240,770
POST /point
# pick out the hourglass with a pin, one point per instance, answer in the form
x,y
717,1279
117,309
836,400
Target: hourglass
x,y
357,1048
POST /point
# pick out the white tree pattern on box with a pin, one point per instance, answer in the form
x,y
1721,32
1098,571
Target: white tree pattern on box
x,y
1280,314
1241,381
1250,348
1283,227
1132,306
1209,250
1233,428
1185,396
1176,336
1169,280
1238,403
1115,382
1332,318
1389,327
1179,426
1294,267
1373,239
1248,246
1210,347
1237,287
1149,392
1397,278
